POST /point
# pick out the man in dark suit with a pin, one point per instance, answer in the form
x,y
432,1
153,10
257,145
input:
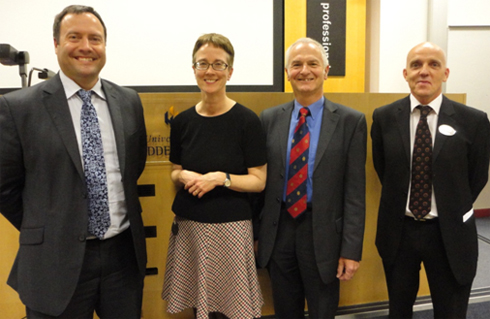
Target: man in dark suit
x,y
71,151
310,244
426,211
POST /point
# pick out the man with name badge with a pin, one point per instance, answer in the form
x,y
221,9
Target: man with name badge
x,y
432,157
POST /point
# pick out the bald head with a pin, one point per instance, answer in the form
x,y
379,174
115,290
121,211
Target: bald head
x,y
427,46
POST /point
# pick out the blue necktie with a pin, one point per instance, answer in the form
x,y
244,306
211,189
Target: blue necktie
x,y
296,196
94,168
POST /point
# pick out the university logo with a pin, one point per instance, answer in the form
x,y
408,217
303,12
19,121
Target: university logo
x,y
169,115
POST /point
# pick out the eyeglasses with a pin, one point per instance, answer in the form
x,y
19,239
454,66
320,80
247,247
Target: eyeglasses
x,y
218,66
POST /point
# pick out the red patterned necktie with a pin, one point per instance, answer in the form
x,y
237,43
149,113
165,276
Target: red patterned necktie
x,y
421,187
298,167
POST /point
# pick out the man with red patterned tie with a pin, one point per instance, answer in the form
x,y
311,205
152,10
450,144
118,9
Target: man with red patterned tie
x,y
312,222
432,156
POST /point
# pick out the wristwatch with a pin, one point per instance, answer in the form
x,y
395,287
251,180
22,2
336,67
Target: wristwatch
x,y
227,182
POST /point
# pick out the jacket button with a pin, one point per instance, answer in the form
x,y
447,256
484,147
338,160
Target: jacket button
x,y
278,199
274,223
82,238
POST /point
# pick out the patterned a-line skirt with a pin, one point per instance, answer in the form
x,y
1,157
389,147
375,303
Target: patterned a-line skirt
x,y
211,267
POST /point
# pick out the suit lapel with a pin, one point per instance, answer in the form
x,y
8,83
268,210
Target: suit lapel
x,y
56,105
403,123
445,117
115,103
284,120
329,123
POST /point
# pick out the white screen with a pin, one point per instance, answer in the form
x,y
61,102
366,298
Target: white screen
x,y
149,42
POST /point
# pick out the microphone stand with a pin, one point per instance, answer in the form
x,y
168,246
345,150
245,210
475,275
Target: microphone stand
x,y
44,74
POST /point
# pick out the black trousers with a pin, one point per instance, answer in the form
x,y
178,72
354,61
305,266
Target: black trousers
x,y
422,243
294,274
109,284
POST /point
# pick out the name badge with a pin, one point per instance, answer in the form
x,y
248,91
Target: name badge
x,y
447,130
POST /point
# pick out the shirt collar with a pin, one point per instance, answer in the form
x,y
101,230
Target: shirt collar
x,y
314,108
435,104
71,87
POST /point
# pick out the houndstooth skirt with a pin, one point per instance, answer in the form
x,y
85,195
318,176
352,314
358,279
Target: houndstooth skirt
x,y
211,267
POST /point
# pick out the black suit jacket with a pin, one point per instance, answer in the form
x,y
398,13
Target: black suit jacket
x,y
460,171
43,192
338,184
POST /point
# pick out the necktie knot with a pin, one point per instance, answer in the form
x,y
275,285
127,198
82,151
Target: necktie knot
x,y
424,110
304,111
86,96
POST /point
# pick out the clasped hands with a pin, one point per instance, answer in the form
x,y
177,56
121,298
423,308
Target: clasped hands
x,y
200,184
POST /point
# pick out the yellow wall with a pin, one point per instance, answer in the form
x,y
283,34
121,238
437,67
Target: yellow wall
x,y
295,28
10,305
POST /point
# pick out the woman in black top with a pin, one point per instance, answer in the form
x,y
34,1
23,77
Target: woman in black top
x,y
217,149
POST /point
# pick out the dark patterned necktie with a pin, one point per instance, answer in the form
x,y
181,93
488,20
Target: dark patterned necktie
x,y
94,168
421,187
296,197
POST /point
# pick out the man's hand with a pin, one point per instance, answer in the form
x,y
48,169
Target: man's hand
x,y
346,269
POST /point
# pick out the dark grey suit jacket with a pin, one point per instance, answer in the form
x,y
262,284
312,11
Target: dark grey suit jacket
x,y
43,192
460,171
338,185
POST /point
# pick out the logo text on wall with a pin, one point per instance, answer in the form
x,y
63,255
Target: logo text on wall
x,y
158,136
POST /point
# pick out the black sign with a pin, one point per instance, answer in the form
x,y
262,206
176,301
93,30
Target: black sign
x,y
326,24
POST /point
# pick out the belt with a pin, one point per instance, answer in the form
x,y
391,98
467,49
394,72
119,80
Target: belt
x,y
422,220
